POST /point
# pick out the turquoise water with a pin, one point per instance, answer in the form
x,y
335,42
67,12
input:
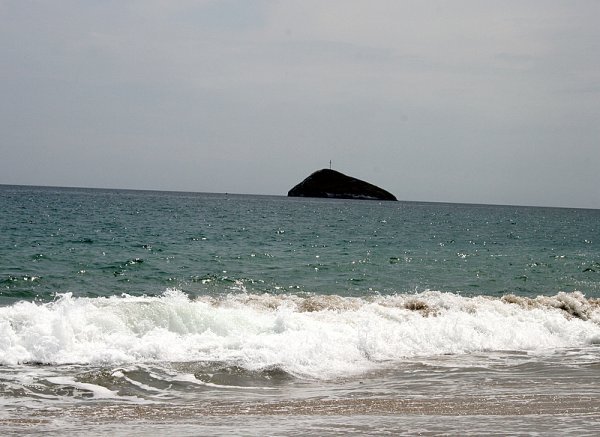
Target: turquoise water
x,y
126,312
102,243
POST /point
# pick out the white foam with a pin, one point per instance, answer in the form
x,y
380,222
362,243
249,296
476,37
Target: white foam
x,y
191,379
97,391
317,336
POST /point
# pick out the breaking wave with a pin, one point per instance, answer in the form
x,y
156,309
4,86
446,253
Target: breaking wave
x,y
312,336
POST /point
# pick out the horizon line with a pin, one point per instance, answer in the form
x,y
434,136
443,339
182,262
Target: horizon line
x,y
152,190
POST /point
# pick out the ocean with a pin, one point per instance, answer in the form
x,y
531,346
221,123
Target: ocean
x,y
135,312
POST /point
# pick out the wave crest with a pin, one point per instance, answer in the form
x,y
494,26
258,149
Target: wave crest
x,y
313,336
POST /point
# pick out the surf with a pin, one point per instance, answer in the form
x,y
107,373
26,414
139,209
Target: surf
x,y
307,336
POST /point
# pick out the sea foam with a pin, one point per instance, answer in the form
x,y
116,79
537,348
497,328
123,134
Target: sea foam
x,y
307,336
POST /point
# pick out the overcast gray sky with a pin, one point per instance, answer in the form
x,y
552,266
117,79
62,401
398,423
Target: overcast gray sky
x,y
459,101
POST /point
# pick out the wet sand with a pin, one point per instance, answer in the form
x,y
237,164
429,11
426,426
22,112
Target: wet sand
x,y
507,406
506,414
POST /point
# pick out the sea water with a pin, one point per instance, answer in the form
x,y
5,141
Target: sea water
x,y
183,313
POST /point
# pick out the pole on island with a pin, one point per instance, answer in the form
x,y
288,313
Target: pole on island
x,y
330,164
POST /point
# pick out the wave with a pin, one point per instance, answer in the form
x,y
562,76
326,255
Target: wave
x,y
316,336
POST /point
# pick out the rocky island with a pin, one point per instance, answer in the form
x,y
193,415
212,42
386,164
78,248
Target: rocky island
x,y
333,184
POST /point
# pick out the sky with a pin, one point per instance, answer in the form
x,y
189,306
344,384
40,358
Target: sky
x,y
445,101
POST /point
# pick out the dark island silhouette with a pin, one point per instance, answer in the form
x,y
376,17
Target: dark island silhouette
x,y
333,184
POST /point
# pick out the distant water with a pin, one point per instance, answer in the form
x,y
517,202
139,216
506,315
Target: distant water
x,y
133,311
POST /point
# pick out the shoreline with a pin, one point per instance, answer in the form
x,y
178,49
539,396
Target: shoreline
x,y
511,405
490,415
